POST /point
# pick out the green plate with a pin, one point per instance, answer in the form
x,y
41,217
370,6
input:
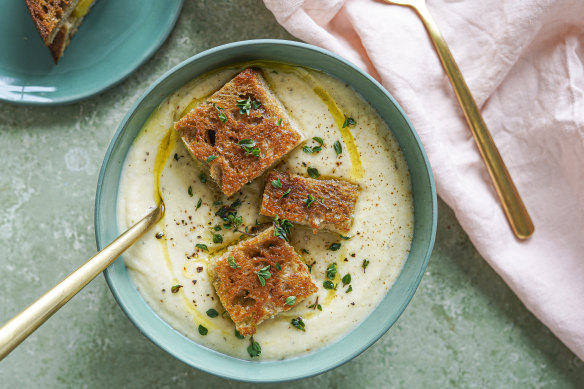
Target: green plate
x,y
116,37
384,315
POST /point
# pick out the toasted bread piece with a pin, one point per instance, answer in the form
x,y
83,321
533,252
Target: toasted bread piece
x,y
233,138
330,207
240,290
57,21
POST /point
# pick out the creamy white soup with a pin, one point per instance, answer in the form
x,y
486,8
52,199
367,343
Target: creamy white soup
x,y
169,265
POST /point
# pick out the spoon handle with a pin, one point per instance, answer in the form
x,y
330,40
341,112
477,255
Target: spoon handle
x,y
27,321
513,206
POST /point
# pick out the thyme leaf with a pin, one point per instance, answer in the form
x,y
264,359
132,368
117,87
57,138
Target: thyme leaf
x,y
263,274
349,121
232,264
298,323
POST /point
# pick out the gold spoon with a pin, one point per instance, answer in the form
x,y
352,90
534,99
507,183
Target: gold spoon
x,y
27,321
513,206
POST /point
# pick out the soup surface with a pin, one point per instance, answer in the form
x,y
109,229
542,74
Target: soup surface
x,y
169,265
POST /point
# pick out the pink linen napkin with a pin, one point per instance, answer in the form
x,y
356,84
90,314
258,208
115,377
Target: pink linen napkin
x,y
523,61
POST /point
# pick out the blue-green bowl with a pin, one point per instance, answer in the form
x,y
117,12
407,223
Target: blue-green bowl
x,y
390,308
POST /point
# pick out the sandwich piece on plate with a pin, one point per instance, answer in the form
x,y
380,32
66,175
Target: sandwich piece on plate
x,y
57,21
259,278
321,204
240,131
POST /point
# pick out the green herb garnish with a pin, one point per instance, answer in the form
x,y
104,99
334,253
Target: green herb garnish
x,y
281,228
202,246
254,348
346,279
222,116
310,150
278,266
217,238
203,177
175,288
308,200
338,147
365,264
211,157
334,246
279,122
234,221
328,284
331,271
315,149
244,106
313,172
291,300
349,289
286,193
232,264
190,191
344,237
212,313
349,121
298,323
276,184
217,228
229,215
248,146
203,330
238,335
263,274
199,203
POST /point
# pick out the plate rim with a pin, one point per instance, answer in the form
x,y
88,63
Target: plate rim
x,y
113,81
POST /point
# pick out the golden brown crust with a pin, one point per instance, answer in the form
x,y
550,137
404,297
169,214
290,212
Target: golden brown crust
x,y
206,135
240,290
332,208
49,16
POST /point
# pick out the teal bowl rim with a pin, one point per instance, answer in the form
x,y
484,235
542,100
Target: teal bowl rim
x,y
306,365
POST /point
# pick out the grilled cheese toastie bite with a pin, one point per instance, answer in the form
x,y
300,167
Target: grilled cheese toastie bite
x,y
321,204
57,21
259,278
240,131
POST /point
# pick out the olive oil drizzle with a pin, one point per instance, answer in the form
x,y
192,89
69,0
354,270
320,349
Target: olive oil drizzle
x,y
165,148
192,105
339,118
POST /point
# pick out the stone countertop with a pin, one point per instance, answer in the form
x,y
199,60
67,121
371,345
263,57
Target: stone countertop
x,y
463,328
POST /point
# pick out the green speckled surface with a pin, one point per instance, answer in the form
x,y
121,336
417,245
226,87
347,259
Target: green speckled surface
x,y
464,327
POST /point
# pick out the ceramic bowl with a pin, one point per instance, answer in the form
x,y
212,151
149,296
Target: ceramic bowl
x,y
370,329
